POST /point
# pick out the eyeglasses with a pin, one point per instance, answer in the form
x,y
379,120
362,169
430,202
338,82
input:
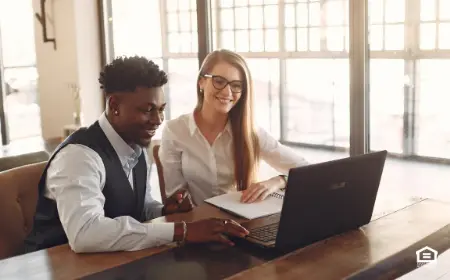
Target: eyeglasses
x,y
220,83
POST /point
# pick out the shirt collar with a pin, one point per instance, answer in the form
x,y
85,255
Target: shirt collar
x,y
193,125
123,150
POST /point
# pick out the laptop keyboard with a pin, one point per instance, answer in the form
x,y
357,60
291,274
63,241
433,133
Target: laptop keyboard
x,y
265,233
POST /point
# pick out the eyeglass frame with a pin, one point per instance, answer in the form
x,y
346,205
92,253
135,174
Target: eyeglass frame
x,y
226,84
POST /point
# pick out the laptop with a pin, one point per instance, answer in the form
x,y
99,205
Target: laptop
x,y
322,200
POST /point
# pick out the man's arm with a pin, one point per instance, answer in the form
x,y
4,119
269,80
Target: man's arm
x,y
152,208
75,179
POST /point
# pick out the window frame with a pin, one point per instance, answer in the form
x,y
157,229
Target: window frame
x,y
411,54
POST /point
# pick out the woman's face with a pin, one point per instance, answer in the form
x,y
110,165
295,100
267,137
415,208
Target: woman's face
x,y
222,87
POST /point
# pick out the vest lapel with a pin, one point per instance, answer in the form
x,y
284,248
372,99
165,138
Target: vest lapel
x,y
140,185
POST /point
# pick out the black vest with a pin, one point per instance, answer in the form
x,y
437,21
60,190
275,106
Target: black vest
x,y
120,199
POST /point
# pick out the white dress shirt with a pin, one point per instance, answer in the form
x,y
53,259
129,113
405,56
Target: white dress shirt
x,y
208,170
75,180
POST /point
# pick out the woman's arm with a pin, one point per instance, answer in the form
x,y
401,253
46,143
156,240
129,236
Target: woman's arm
x,y
279,157
170,156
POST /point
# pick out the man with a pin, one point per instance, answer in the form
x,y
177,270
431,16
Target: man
x,y
94,192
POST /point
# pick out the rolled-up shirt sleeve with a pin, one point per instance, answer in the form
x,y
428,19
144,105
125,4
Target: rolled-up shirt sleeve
x,y
277,155
75,179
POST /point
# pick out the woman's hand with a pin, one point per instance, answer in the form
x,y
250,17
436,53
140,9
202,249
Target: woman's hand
x,y
261,190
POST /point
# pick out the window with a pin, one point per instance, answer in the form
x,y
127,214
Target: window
x,y
166,32
247,27
387,80
287,51
407,83
181,20
265,73
434,25
136,28
17,46
431,63
387,25
182,85
387,74
433,131
316,101
298,52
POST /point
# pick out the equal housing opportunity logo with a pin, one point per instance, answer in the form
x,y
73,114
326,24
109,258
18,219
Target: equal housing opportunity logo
x,y
426,255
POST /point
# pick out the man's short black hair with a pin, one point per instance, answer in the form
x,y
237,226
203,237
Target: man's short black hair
x,y
125,74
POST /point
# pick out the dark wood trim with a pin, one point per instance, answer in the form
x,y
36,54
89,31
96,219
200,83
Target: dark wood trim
x,y
3,121
204,29
359,79
102,31
105,32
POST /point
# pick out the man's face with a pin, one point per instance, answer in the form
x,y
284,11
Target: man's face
x,y
140,114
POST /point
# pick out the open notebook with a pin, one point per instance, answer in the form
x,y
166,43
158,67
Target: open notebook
x,y
230,202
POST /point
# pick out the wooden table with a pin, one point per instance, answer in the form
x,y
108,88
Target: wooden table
x,y
396,225
347,254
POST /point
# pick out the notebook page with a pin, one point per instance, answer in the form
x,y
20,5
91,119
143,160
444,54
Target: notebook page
x,y
231,202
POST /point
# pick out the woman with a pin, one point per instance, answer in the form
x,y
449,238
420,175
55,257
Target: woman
x,y
216,149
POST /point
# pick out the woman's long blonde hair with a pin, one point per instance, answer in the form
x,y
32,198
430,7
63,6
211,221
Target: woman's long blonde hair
x,y
245,140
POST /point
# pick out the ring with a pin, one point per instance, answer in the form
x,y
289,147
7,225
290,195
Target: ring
x,y
225,222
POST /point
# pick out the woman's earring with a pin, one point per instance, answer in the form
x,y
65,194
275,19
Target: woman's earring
x,y
116,112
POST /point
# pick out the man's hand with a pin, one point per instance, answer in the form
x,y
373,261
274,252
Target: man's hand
x,y
260,191
179,202
214,229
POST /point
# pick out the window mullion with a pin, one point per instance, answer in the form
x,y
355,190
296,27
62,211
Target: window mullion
x,y
164,28
437,23
282,68
281,28
412,25
412,43
323,26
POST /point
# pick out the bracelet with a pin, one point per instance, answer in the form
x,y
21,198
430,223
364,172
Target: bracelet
x,y
181,243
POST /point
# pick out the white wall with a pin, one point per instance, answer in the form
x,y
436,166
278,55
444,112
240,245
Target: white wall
x,y
89,62
76,60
